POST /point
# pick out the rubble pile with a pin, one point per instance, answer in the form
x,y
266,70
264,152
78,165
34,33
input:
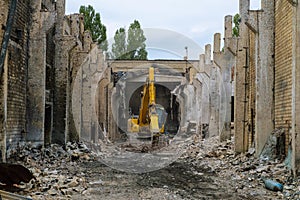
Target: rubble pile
x,y
55,168
208,168
246,173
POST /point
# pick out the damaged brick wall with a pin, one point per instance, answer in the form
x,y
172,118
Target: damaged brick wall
x,y
15,77
283,65
42,60
44,25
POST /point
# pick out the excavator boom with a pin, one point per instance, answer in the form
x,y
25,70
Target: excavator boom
x,y
151,116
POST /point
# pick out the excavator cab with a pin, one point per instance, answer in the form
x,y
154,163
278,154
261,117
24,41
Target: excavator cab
x,y
162,117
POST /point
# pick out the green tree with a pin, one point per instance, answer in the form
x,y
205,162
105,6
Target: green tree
x,y
92,22
136,46
133,46
236,28
119,45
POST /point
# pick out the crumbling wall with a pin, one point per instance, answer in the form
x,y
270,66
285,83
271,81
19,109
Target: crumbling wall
x,y
65,44
73,28
225,60
45,52
29,60
86,68
41,61
203,76
209,75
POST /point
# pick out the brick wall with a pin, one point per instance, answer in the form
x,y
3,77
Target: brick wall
x,y
283,64
16,77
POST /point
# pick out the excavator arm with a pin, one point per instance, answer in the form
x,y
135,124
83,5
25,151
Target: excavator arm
x,y
151,115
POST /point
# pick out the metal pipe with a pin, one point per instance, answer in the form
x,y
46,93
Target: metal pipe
x,y
245,99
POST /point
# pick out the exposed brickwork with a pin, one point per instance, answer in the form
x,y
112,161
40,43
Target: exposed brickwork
x,y
20,26
16,76
16,95
36,85
283,65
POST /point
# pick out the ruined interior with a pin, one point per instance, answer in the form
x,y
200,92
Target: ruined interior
x,y
128,88
64,104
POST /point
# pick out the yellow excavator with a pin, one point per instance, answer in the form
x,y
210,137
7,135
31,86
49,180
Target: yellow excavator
x,y
150,123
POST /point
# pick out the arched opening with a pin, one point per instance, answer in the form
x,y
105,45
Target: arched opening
x,y
164,98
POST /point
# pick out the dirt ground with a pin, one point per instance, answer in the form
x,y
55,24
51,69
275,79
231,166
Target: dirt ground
x,y
180,180
207,170
197,174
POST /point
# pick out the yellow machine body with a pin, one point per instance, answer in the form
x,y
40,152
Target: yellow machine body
x,y
151,116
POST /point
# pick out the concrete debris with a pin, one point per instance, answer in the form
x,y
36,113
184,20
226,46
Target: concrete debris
x,y
205,128
74,173
251,152
274,147
55,169
245,172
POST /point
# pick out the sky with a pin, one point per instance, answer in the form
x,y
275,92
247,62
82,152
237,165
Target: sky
x,y
169,25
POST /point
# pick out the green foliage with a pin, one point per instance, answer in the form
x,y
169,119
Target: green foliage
x,y
119,46
136,42
92,22
134,48
236,28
